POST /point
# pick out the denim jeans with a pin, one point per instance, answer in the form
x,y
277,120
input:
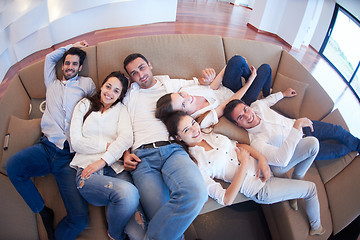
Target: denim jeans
x,y
39,160
172,190
237,68
344,142
116,191
304,155
281,189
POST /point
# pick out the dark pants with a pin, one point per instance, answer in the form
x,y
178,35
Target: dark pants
x,y
237,68
334,140
39,160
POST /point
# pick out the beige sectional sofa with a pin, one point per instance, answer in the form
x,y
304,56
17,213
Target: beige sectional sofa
x,y
181,56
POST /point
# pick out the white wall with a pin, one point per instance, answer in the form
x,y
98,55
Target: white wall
x,y
27,26
299,22
292,20
323,24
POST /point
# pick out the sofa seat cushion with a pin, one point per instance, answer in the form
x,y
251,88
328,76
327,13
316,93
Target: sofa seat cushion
x,y
22,134
344,196
290,107
290,224
17,220
97,227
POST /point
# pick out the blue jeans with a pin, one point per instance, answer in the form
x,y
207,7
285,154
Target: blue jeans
x,y
116,191
282,189
237,68
344,142
39,160
304,155
172,190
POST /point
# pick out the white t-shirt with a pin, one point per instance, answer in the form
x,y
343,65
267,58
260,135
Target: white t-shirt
x,y
141,104
147,128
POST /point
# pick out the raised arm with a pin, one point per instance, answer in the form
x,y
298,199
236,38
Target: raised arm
x,y
210,78
52,58
239,94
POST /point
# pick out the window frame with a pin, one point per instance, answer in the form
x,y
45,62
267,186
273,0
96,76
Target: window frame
x,y
326,40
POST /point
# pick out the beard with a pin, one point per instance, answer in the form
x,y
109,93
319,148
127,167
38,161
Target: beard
x,y
70,75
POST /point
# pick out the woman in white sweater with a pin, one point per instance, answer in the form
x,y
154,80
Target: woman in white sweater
x,y
100,132
218,157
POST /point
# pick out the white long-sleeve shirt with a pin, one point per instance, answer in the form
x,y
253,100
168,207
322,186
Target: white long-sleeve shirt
x,y
89,139
221,163
275,137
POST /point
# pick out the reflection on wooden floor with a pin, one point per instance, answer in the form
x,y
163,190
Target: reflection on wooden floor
x,y
220,18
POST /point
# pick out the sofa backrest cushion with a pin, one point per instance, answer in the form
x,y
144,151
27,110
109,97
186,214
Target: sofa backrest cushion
x,y
316,103
179,55
225,127
255,52
14,102
289,107
32,77
22,134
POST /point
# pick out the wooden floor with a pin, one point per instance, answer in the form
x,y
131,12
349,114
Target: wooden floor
x,y
220,18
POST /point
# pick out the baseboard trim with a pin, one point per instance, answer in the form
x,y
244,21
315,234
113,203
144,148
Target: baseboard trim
x,y
249,25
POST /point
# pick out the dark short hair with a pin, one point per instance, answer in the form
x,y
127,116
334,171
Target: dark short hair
x,y
164,107
229,108
132,57
75,51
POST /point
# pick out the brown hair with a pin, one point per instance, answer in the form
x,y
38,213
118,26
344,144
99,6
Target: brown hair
x,y
163,107
95,104
172,123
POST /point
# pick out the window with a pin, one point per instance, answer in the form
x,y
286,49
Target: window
x,y
341,47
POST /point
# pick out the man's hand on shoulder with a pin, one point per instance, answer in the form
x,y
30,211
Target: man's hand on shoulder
x,y
81,44
289,92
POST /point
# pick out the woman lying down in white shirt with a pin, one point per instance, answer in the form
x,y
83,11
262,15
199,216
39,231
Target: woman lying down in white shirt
x,y
219,157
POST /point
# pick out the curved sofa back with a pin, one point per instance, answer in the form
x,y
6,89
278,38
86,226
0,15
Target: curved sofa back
x,y
177,55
